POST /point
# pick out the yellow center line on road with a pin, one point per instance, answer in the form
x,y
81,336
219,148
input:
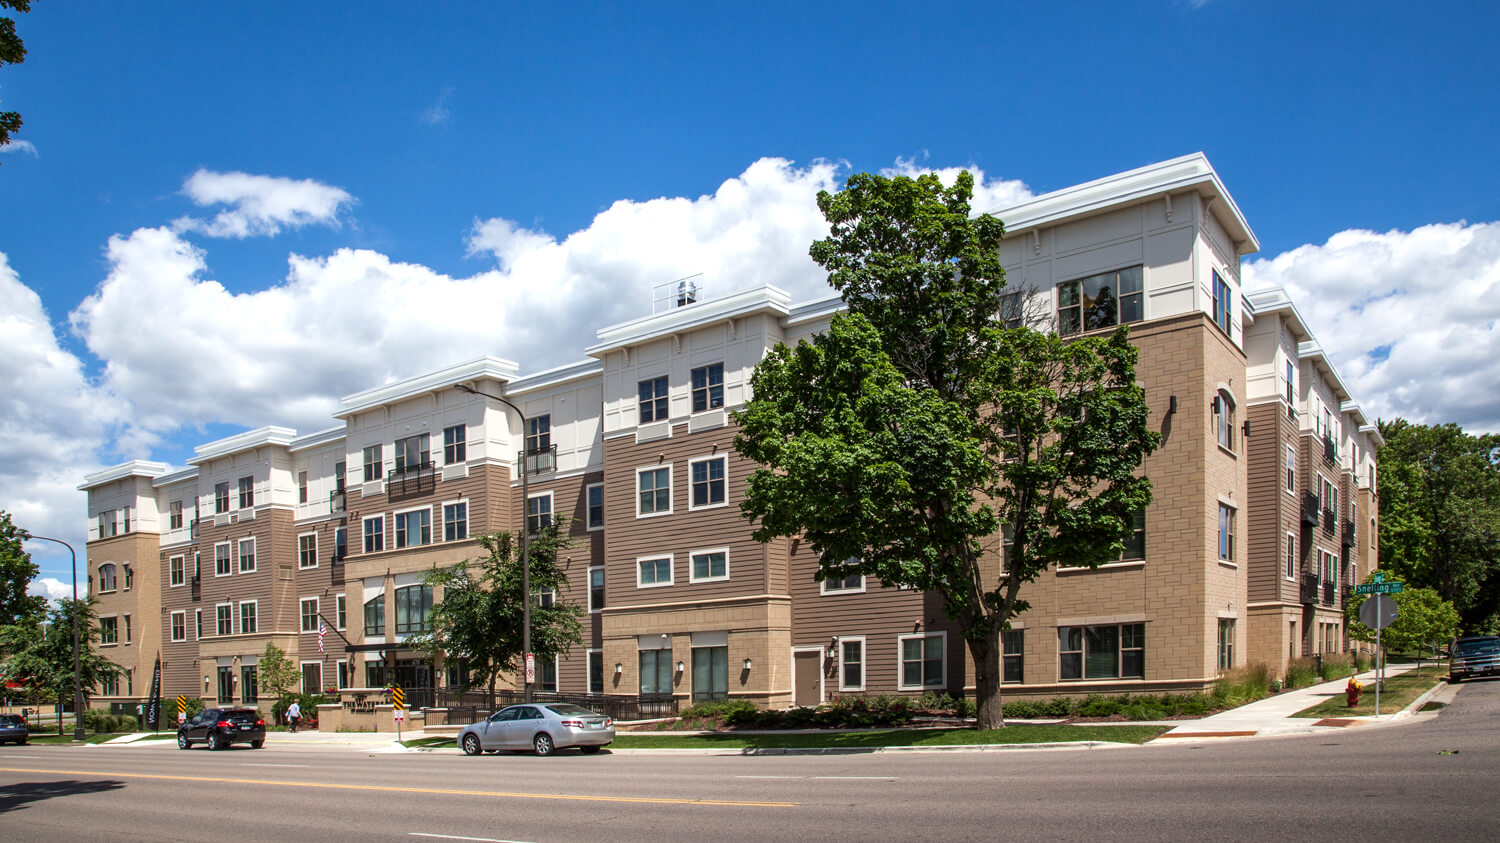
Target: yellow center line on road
x,y
567,797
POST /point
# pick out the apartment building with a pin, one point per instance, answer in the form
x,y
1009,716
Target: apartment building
x,y
634,445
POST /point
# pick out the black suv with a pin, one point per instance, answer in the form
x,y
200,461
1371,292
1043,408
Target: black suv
x,y
1477,655
222,727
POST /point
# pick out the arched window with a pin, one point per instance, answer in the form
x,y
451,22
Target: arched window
x,y
107,577
1223,407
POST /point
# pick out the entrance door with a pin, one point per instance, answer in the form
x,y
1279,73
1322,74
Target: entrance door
x,y
226,686
808,680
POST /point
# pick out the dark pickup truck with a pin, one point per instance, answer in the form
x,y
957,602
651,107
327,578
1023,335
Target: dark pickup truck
x,y
1477,655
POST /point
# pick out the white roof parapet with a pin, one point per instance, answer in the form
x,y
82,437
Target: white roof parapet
x,y
1352,408
1178,174
477,369
811,311
320,437
554,376
1275,299
134,468
679,319
189,473
269,435
1373,431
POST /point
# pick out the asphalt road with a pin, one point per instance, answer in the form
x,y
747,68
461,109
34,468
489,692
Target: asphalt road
x,y
1431,780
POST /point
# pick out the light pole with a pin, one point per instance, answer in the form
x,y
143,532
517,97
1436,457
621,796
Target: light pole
x,y
77,684
525,544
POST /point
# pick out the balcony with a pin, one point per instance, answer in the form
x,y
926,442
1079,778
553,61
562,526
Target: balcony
x,y
1330,453
538,460
411,480
1349,535
337,500
1330,593
1309,588
1310,508
1328,520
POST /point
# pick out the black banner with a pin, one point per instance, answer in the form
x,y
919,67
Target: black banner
x,y
153,706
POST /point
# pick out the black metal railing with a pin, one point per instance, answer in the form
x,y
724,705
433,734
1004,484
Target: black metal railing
x,y
337,500
416,479
1329,451
1328,520
470,706
1330,593
1310,508
1349,535
1309,588
1348,595
538,460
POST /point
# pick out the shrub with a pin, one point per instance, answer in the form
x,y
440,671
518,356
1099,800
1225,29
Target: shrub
x,y
716,709
964,707
1301,672
1337,666
1243,684
1143,710
1096,705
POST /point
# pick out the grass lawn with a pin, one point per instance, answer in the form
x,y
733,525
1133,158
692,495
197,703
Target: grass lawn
x,y
68,738
432,741
891,737
1400,691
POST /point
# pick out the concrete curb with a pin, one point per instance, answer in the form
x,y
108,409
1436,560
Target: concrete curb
x,y
855,750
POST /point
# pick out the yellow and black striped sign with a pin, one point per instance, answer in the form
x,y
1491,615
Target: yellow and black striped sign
x,y
398,697
181,705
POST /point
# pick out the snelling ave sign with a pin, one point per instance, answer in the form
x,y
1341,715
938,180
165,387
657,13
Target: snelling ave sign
x,y
1380,588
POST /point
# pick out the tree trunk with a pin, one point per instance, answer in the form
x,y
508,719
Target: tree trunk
x,y
986,653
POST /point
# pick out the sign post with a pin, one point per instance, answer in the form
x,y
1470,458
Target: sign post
x,y
1378,612
398,698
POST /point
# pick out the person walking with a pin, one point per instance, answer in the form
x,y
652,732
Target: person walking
x,y
293,714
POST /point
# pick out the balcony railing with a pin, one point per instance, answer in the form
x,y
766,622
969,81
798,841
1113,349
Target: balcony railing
x,y
1349,536
1310,508
538,460
407,481
1330,593
337,500
1309,588
1328,520
1329,451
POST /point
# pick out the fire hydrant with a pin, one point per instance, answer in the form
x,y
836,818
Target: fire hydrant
x,y
1351,692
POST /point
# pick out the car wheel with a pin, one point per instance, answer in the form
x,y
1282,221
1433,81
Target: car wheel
x,y
257,744
471,744
215,742
543,744
183,742
590,750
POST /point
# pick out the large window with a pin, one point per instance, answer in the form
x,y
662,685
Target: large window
x,y
710,673
654,490
247,492
455,521
1223,407
312,678
656,671
708,481
412,453
179,626
1102,652
174,515
108,526
595,503
109,630
1014,645
546,673
248,619
922,662
654,571
455,444
375,615
708,387
224,619
413,602
1226,644
221,498
1226,533
1099,301
309,614
374,534
653,395
595,659
539,433
1223,303
249,684
221,560
108,579
538,512
374,465
307,550
413,528
710,565
851,664
247,556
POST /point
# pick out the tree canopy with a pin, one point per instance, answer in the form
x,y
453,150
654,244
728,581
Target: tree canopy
x,y
16,573
275,672
1423,619
12,51
918,433
41,657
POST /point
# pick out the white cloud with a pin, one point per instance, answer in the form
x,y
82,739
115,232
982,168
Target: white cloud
x,y
55,589
1410,317
438,114
989,196
14,145
260,205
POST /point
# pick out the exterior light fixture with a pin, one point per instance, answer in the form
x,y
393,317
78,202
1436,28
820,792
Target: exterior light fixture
x,y
680,667
619,668
747,664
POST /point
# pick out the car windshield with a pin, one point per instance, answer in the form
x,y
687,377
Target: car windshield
x,y
11,720
568,709
241,716
1481,646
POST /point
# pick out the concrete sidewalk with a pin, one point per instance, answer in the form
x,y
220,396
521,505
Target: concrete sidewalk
x,y
368,741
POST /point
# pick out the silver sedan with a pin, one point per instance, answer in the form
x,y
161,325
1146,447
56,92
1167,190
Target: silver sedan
x,y
541,727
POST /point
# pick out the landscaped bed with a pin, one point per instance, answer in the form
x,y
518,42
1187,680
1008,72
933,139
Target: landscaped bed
x,y
1399,692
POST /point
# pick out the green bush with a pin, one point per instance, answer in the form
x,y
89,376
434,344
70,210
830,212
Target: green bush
x,y
1301,673
716,709
1143,710
1096,705
964,707
1242,685
1337,666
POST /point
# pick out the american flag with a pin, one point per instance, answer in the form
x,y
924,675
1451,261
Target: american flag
x,y
322,630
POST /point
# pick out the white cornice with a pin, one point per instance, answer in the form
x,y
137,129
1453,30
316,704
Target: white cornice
x,y
189,473
812,311
321,437
134,468
270,435
1275,300
473,370
577,370
759,300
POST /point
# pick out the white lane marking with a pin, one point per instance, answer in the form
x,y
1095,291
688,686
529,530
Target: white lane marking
x,y
869,778
31,757
456,837
275,765
769,777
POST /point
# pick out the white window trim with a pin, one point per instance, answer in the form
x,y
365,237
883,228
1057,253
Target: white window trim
x,y
239,617
396,514
593,610
238,556
101,619
589,657
600,486
442,507
693,567
671,490
721,457
364,533
1293,578
317,610
1232,561
181,560
551,509
671,570
345,599
102,589
1292,451
171,618
900,644
345,663
863,582
230,547
864,652
300,537
197,624
230,607
302,673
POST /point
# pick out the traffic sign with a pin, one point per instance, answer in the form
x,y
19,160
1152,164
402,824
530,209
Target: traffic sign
x,y
1378,576
1380,588
400,715
1378,612
398,698
531,668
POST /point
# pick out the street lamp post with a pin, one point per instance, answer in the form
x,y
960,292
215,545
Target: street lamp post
x,y
77,683
525,529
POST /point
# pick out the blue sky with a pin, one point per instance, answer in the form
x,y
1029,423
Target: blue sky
x,y
222,216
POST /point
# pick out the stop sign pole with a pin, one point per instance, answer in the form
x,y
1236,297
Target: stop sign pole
x,y
1379,612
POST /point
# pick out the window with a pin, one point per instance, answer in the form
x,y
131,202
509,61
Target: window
x,y
129,577
1135,546
1226,644
546,598
1226,533
1328,495
595,659
373,462
596,589
108,526
179,626
851,664
247,492
249,683
654,490
341,668
412,453
224,619
126,513
455,521
708,481
109,630
301,487
1291,469
109,686
375,615
653,394
656,671
1102,652
1291,556
1223,303
108,580
413,528
339,611
247,556
922,661
1099,301
1014,649
1013,310
595,514
1224,420
175,574
455,444
174,515
710,565
127,629
198,624
340,543
846,584
708,387
710,673
247,617
653,571
307,550
221,498
197,566
538,512
374,534
539,433
340,476
412,605
546,673
312,678
1290,384
309,613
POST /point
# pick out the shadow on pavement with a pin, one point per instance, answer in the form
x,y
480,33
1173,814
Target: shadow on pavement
x,y
18,795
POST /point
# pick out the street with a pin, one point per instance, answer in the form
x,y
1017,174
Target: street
x,y
1430,779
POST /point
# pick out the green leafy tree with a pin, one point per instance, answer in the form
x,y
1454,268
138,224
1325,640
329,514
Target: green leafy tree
x,y
478,620
1424,620
276,673
42,654
16,573
12,51
1440,515
917,432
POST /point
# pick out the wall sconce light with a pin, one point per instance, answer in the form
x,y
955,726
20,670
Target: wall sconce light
x,y
619,668
747,664
1246,428
1171,405
833,646
680,667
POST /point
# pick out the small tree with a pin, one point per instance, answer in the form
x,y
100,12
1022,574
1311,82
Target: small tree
x,y
43,653
16,573
276,672
1423,618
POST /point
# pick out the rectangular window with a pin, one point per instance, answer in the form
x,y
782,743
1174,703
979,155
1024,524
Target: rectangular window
x,y
340,543
375,615
1226,644
129,577
1102,652
247,556
455,444
109,686
455,521
710,565
596,588
340,476
653,399
307,550
126,513
309,613
539,433
596,671
109,630
249,684
654,490
656,671
413,528
708,481
247,617
224,619
538,512
107,579
546,674
174,515
107,524
546,598
221,560
653,571
175,573
413,602
1223,303
301,487
312,677
1014,645
1290,384
374,465
708,387
847,584
1226,533
1291,556
922,662
247,492
339,611
198,624
595,515
179,626
851,664
1291,469
221,498
710,673
1099,301
375,534
412,453
342,672
1135,546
